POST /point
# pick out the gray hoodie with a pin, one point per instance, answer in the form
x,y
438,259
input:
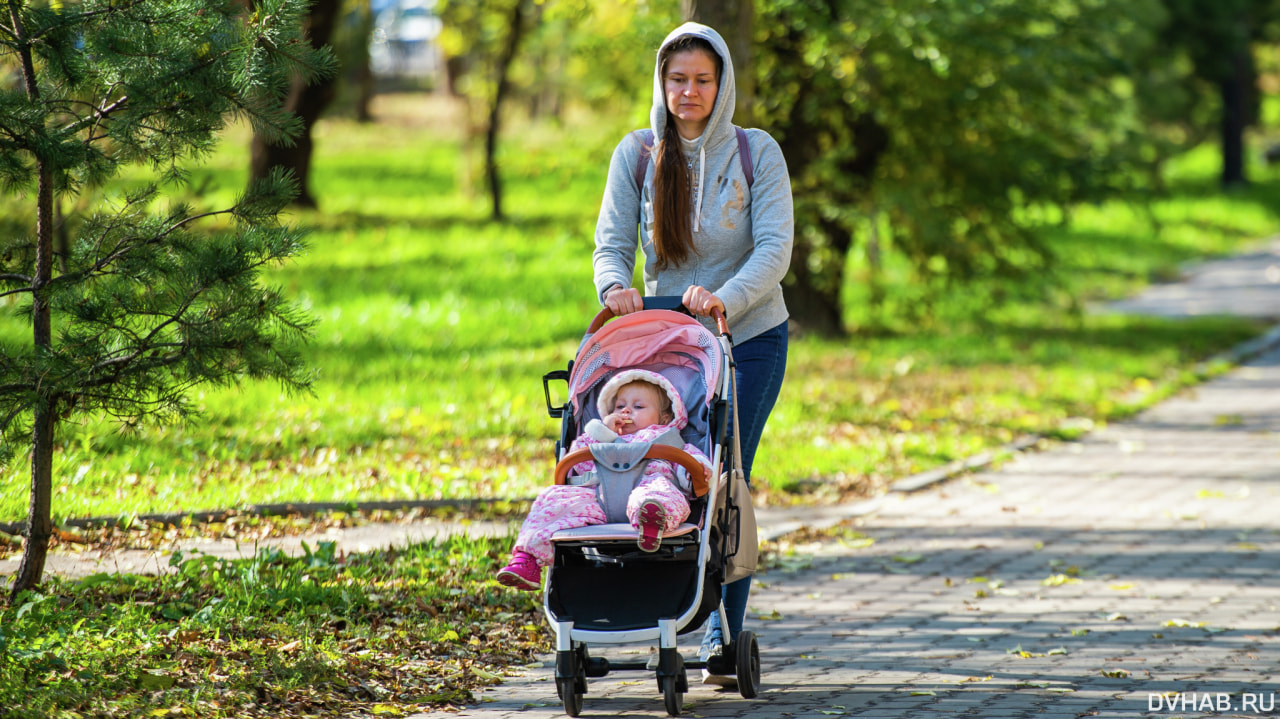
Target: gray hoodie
x,y
742,234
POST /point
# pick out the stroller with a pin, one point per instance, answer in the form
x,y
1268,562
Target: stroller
x,y
601,589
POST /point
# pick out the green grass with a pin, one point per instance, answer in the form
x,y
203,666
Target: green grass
x,y
388,632
436,326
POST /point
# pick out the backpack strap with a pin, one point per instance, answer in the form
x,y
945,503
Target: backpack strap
x,y
645,138
744,157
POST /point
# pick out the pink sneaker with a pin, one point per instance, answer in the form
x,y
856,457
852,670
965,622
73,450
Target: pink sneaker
x,y
522,573
651,520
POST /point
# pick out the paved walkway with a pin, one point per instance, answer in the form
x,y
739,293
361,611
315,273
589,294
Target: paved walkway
x,y
1247,284
1133,573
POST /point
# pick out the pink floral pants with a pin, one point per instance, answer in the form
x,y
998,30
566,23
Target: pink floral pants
x,y
563,506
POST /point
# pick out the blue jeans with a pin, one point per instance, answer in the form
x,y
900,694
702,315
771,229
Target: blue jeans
x,y
761,363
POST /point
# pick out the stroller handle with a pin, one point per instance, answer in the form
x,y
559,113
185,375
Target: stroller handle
x,y
697,472
660,303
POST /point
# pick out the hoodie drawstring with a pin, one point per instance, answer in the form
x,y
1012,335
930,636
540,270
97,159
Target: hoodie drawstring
x,y
697,203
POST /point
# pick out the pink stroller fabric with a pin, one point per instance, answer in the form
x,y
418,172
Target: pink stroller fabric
x,y
651,338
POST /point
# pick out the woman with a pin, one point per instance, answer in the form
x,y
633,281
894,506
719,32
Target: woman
x,y
712,230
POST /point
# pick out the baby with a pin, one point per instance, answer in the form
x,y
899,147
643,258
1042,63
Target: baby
x,y
637,406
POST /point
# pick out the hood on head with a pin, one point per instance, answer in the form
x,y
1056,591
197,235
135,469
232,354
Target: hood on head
x,y
720,124
604,405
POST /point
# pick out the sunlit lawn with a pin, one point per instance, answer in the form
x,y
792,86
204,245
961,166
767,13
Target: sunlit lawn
x,y
436,326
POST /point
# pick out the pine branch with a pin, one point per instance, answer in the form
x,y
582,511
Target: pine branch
x,y
113,8
96,117
4,424
124,248
19,32
19,291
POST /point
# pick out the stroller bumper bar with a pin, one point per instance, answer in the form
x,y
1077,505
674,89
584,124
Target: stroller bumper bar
x,y
675,304
697,473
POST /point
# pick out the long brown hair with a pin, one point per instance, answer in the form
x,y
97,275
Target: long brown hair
x,y
672,228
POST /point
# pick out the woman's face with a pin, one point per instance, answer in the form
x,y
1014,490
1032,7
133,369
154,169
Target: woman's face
x,y
691,85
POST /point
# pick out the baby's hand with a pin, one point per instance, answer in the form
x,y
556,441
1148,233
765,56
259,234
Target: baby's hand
x,y
616,420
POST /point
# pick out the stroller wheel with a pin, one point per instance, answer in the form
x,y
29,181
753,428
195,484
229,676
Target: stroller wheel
x,y
748,663
571,678
570,695
568,691
672,696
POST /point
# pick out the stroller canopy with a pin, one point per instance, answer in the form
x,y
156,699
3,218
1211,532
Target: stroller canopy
x,y
671,343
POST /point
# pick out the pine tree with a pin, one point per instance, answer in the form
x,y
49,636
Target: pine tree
x,y
149,298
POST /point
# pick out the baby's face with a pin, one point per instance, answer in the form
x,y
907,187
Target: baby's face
x,y
639,406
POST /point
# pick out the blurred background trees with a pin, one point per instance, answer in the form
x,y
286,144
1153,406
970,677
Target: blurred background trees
x,y
931,133
935,133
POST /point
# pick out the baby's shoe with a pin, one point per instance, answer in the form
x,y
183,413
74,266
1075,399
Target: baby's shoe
x,y
522,573
651,519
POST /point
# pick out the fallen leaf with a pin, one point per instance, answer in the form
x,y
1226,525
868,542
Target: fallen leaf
x,y
1057,580
1115,673
154,680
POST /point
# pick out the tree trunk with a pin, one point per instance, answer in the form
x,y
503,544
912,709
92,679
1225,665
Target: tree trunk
x,y
365,81
1234,88
733,19
495,110
812,309
35,548
39,519
305,101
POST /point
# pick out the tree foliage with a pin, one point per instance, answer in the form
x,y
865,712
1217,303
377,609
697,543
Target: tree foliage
x,y
927,126
141,305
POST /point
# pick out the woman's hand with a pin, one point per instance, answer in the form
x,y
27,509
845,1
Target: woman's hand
x,y
623,300
700,301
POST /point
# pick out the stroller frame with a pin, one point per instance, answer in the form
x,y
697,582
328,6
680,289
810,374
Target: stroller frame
x,y
574,664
